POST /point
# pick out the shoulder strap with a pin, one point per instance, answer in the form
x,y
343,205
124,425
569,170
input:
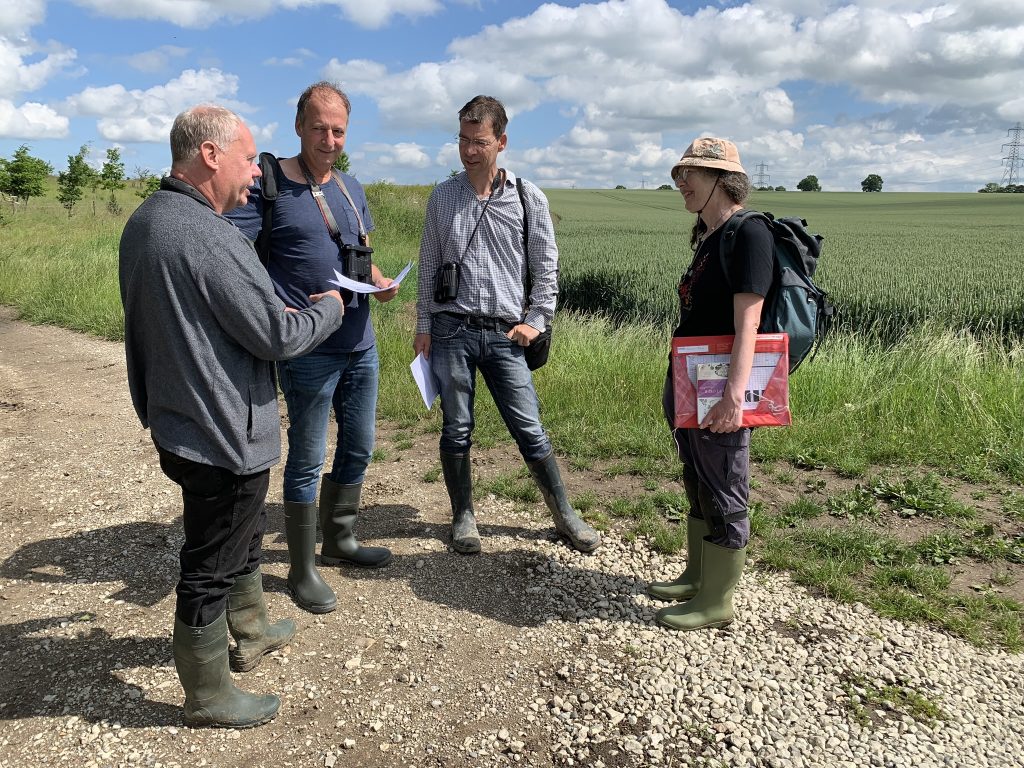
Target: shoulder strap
x,y
269,167
527,282
344,190
731,228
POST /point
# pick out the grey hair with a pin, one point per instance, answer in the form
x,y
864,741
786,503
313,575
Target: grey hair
x,y
323,87
479,108
206,122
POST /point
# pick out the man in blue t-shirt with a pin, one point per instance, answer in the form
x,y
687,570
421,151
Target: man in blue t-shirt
x,y
342,373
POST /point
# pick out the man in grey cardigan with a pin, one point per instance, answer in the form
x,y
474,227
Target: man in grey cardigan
x,y
202,325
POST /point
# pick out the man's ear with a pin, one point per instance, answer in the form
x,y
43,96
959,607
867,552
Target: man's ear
x,y
209,154
502,142
298,128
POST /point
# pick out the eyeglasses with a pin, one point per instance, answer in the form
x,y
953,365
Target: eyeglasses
x,y
466,142
684,174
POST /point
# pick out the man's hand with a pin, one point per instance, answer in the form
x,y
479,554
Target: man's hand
x,y
315,297
523,334
421,345
388,295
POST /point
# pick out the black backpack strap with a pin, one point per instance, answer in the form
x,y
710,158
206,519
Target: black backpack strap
x,y
728,242
270,168
527,282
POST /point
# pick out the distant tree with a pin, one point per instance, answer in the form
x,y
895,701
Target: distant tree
x,y
112,177
809,184
4,176
452,173
141,176
991,187
25,175
72,182
620,186
780,189
873,183
150,184
342,163
665,186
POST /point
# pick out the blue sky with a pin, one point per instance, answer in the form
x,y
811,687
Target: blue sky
x,y
922,92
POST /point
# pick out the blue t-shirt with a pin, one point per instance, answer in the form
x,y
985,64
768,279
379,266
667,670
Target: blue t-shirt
x,y
302,255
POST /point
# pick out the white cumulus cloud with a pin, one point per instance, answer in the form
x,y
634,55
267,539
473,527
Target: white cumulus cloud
x,y
31,121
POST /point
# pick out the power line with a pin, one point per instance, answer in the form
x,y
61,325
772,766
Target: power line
x,y
1012,160
762,177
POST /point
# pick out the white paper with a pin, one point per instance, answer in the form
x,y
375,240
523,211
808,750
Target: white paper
x,y
424,377
356,287
709,373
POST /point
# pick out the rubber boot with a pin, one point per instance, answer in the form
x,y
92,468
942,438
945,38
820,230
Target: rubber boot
x,y
211,699
687,584
712,605
567,522
255,637
305,583
339,508
458,479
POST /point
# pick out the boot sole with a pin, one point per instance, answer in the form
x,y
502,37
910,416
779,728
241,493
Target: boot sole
x,y
712,625
317,608
585,550
466,549
217,724
333,562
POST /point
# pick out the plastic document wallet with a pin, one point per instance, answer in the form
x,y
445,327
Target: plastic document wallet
x,y
700,368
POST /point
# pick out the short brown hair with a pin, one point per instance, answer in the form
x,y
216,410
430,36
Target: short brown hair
x,y
480,108
324,88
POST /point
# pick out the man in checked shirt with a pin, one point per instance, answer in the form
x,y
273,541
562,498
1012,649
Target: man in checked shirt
x,y
483,320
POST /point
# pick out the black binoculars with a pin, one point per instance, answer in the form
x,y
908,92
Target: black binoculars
x,y
446,282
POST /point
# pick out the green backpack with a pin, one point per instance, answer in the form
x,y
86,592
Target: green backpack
x,y
794,304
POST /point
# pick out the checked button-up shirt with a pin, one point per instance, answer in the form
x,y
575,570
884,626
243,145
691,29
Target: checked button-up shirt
x,y
493,272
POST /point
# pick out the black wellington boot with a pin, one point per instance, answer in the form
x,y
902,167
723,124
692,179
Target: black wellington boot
x,y
307,586
254,635
339,509
567,522
458,479
211,698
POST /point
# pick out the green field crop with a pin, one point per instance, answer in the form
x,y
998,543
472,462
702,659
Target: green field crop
x,y
891,261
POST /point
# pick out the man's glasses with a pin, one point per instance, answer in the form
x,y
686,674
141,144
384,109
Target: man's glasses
x,y
466,142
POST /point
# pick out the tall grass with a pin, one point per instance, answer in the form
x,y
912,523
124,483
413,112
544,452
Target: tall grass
x,y
938,397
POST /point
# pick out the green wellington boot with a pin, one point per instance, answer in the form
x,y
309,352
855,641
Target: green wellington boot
x,y
339,508
255,637
567,522
687,584
307,586
458,479
211,698
712,605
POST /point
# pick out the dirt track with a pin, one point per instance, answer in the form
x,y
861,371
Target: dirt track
x,y
529,654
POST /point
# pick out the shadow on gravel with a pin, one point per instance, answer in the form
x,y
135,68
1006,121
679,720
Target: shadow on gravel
x,y
143,556
63,667
496,584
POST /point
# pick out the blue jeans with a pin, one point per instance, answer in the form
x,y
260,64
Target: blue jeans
x,y
457,352
312,385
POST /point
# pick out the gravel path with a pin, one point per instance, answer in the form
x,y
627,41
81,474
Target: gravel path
x,y
530,654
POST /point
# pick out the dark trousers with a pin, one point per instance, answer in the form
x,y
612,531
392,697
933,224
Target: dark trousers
x,y
717,477
224,520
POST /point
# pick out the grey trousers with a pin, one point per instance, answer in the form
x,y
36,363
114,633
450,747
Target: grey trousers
x,y
717,481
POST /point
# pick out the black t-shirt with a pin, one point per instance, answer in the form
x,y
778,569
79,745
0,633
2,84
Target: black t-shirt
x,y
705,292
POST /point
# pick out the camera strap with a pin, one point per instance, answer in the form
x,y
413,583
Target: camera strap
x,y
325,209
527,280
